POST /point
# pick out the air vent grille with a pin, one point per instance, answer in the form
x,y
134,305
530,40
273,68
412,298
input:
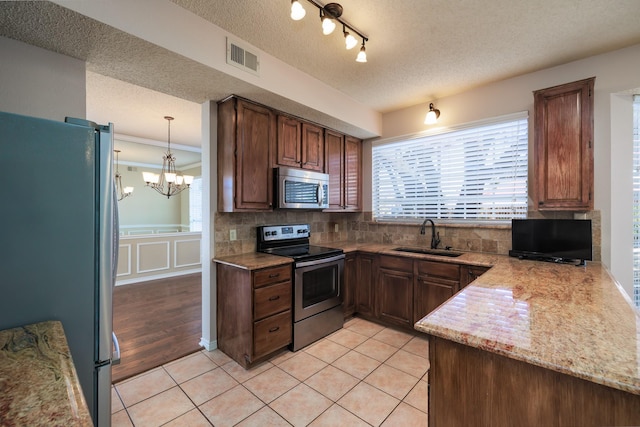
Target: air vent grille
x,y
240,57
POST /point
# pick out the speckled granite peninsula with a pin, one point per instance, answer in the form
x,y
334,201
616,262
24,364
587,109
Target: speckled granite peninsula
x,y
38,382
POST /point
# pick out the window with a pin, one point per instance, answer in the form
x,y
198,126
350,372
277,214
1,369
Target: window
x,y
195,205
636,200
476,172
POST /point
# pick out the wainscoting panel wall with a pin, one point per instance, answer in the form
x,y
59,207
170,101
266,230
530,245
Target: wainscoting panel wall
x,y
151,257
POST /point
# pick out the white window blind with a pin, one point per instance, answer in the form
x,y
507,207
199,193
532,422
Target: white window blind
x,y
195,205
636,200
475,173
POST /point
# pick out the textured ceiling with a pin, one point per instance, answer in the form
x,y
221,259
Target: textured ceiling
x,y
418,51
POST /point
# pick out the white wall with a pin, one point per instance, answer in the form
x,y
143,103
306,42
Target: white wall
x,y
40,83
616,72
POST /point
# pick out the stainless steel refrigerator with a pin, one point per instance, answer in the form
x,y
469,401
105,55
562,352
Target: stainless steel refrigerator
x,y
58,240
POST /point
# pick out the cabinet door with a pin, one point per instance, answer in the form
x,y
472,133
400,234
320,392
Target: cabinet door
x,y
395,297
349,283
364,285
430,292
352,174
563,146
334,166
312,147
289,139
469,273
253,179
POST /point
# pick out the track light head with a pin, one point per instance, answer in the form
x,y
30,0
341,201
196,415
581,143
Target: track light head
x,y
362,55
349,41
297,11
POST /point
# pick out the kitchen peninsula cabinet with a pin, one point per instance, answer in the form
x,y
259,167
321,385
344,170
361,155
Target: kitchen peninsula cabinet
x,y
299,144
246,132
343,163
469,273
394,293
253,311
435,283
563,147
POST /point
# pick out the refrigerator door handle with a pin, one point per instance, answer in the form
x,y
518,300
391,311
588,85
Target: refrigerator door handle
x,y
115,358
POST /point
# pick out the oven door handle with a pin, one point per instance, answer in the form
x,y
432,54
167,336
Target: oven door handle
x,y
319,261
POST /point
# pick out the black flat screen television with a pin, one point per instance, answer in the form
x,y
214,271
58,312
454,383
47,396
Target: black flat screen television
x,y
557,240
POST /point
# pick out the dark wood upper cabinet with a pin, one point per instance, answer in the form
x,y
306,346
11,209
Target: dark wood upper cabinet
x,y
246,132
343,160
563,147
299,144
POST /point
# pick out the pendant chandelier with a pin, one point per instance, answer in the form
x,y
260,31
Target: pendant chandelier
x,y
169,182
121,191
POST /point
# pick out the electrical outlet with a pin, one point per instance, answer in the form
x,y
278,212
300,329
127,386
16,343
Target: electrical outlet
x,y
336,228
233,235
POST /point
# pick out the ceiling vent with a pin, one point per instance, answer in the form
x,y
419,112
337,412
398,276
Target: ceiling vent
x,y
240,57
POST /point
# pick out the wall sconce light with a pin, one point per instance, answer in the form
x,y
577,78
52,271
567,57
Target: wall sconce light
x,y
432,114
330,13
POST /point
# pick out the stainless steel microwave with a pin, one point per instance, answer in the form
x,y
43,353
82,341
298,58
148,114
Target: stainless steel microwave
x,y
301,189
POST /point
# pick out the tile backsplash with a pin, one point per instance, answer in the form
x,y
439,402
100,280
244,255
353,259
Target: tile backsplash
x,y
360,228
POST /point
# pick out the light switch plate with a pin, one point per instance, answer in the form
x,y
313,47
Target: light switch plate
x,y
233,235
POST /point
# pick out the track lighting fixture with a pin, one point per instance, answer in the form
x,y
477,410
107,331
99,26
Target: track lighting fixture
x,y
362,55
330,13
432,115
297,11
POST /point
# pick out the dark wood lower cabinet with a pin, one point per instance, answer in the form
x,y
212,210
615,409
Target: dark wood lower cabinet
x,y
364,289
349,284
394,292
472,387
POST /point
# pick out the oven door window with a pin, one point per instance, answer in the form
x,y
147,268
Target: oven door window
x,y
320,284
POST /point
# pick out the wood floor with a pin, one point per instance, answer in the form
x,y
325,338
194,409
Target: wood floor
x,y
156,322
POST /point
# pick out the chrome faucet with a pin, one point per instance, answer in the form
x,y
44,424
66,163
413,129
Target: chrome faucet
x,y
435,237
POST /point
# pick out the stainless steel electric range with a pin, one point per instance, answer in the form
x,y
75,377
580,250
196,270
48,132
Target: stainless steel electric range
x,y
317,285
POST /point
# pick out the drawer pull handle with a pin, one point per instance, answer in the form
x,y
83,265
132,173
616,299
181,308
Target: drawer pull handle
x,y
274,329
273,298
273,276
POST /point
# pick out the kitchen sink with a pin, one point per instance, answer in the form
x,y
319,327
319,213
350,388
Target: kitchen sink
x,y
438,252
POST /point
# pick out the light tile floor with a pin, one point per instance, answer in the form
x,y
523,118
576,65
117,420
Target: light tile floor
x,y
362,375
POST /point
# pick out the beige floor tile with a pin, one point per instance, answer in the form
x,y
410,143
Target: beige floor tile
x,y
393,337
418,397
376,349
116,403
271,384
302,365
300,405
144,386
418,345
326,350
281,356
193,418
356,364
369,403
348,338
409,363
265,417
240,374
392,381
231,407
218,357
189,367
332,382
160,408
121,419
405,415
338,416
208,385
364,327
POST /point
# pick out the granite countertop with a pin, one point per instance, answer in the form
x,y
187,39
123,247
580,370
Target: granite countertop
x,y
38,381
253,260
573,320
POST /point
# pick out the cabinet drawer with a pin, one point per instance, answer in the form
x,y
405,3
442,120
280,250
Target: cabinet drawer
x,y
273,299
271,333
271,275
396,263
439,269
